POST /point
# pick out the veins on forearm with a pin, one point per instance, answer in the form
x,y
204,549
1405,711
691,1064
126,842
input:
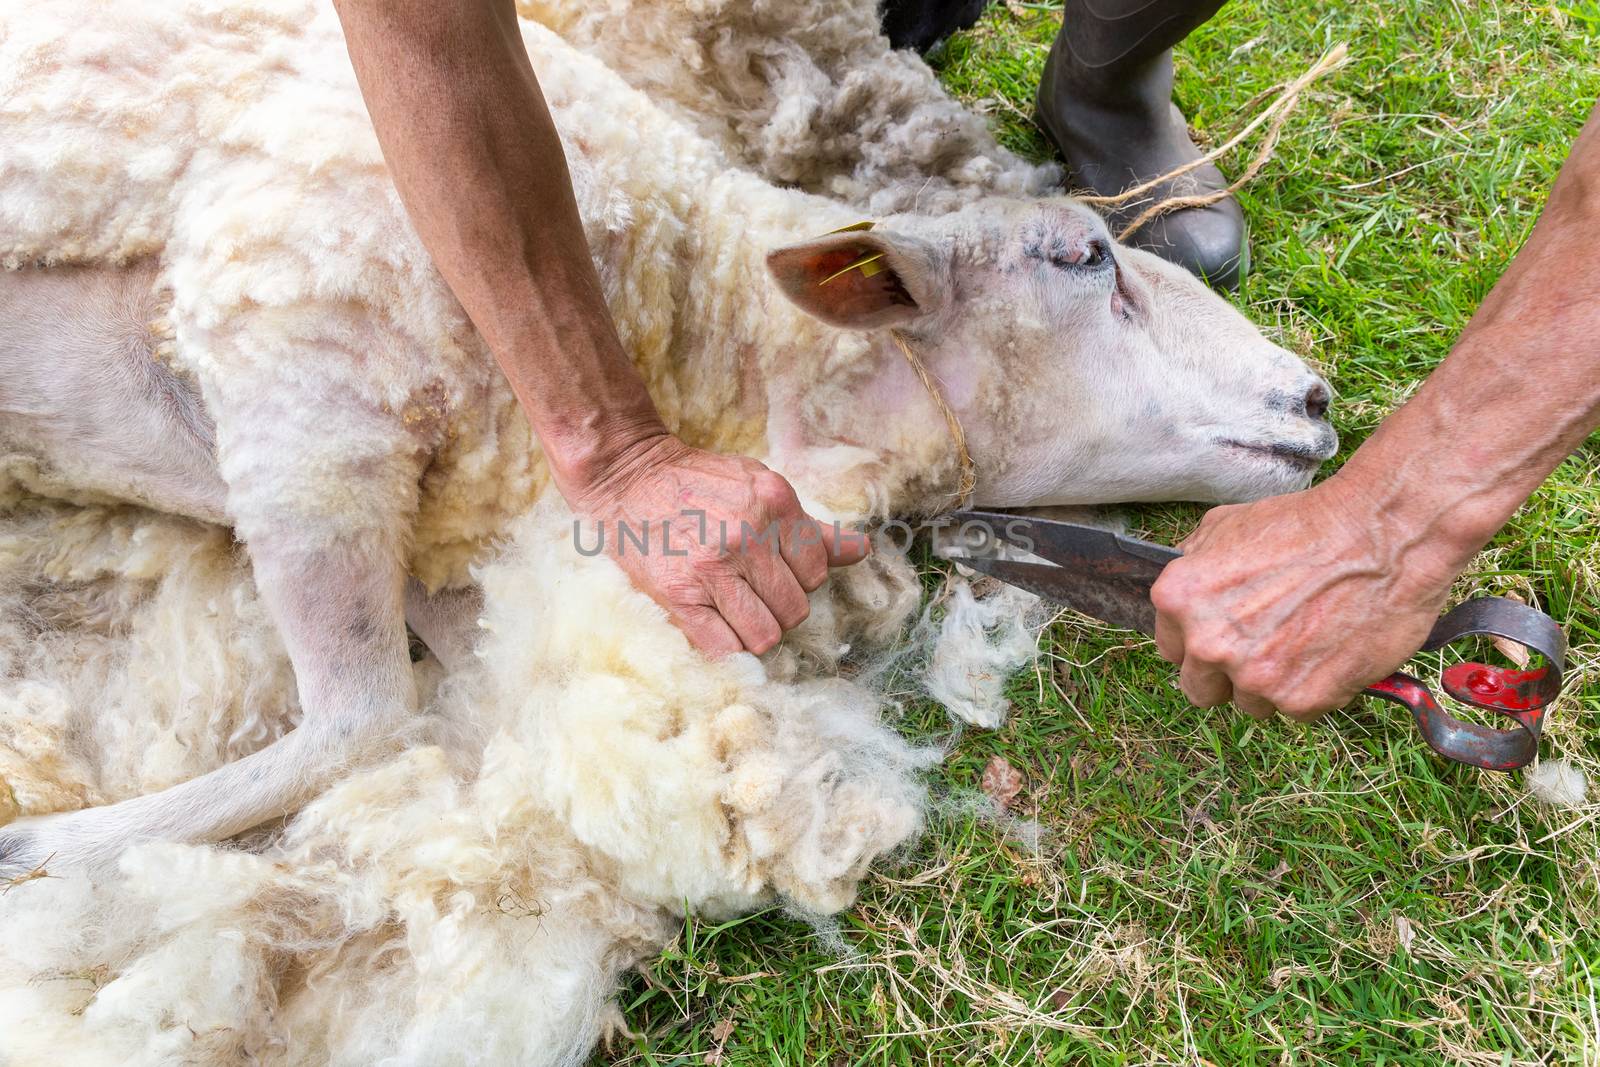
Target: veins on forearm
x,y
476,157
1518,393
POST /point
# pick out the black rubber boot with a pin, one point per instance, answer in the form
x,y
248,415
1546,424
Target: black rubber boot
x,y
921,24
1106,101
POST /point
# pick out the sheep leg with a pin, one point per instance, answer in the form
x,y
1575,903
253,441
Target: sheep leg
x,y
322,490
447,621
339,612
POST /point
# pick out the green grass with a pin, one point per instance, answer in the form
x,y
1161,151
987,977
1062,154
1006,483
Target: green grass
x,y
1212,890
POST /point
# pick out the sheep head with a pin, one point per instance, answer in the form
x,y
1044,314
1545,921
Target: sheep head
x,y
1083,371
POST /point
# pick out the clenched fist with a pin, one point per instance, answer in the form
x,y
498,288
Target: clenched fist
x,y
720,542
1298,602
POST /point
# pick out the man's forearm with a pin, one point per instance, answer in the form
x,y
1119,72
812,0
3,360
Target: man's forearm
x,y
471,148
475,156
1518,393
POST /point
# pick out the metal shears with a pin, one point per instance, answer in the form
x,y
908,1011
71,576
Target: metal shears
x,y
1108,577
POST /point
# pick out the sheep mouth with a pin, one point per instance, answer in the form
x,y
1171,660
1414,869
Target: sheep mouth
x,y
1304,456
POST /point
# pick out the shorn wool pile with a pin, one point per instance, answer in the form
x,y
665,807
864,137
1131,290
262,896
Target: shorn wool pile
x,y
582,777
445,907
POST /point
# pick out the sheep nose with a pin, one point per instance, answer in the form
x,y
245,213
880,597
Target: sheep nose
x,y
1315,403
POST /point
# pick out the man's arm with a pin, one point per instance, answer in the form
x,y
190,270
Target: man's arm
x,y
1299,601
474,154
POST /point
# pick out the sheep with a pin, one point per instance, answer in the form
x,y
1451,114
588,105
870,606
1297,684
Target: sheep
x,y
188,275
252,247
806,94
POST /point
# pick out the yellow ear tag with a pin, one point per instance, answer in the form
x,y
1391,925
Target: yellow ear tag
x,y
854,226
868,265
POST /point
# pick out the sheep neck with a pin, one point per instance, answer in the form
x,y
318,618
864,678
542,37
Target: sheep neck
x,y
841,412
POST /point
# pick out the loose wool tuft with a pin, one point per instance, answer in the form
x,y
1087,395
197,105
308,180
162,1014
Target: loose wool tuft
x,y
981,642
1558,782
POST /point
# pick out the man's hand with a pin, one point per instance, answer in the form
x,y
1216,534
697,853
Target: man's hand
x,y
1296,603
1301,601
727,549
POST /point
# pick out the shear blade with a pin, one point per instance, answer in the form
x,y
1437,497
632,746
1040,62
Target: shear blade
x,y
1096,572
1119,603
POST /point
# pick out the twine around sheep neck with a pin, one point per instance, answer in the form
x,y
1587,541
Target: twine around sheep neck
x,y
869,264
958,436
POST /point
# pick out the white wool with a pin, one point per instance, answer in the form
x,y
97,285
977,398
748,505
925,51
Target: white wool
x,y
981,643
425,913
1558,782
807,94
142,655
633,725
983,640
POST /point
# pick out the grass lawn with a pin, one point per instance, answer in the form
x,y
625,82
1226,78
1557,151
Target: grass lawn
x,y
1212,890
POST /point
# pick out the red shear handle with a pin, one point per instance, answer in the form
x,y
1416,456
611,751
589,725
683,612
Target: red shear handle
x,y
1520,695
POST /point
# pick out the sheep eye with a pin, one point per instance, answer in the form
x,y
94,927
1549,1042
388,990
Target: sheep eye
x,y
1095,254
1066,253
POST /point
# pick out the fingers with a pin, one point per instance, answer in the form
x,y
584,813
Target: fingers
x,y
724,597
844,547
706,629
748,615
743,619
771,597
779,587
1205,685
1256,707
804,554
1169,639
809,547
791,533
780,564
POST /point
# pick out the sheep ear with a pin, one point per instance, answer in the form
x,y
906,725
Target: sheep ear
x,y
860,280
